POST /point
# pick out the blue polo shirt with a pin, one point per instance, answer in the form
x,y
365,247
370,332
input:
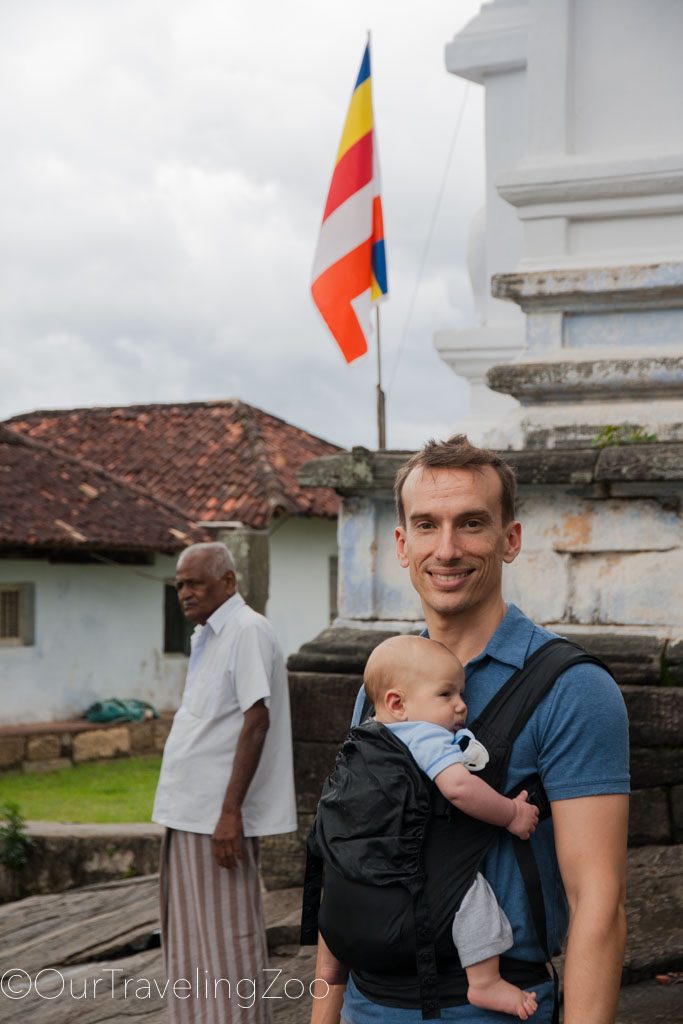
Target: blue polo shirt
x,y
577,741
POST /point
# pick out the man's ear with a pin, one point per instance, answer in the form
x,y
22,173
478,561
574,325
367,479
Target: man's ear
x,y
231,582
394,702
401,552
513,541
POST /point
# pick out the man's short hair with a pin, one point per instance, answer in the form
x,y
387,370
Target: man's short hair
x,y
458,453
218,558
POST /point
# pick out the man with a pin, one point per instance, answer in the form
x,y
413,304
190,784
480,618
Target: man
x,y
457,528
226,778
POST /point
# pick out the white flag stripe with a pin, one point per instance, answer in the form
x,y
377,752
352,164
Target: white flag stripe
x,y
362,306
344,230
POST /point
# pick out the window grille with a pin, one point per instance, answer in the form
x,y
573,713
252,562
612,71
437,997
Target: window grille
x,y
9,614
16,613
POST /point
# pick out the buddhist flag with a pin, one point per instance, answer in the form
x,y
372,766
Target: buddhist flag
x,y
350,271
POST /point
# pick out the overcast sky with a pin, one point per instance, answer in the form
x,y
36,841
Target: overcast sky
x,y
165,166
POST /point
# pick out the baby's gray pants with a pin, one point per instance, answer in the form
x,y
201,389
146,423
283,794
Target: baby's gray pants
x,y
480,928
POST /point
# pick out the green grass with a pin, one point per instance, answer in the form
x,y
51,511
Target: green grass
x,y
119,791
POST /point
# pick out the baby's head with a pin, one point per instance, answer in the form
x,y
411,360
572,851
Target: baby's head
x,y
412,679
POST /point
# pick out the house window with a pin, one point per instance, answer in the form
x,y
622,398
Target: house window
x,y
177,630
16,614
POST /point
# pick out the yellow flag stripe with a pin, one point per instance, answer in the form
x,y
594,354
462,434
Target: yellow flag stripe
x,y
358,120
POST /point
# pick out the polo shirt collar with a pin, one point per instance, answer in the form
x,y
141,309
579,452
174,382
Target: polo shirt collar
x,y
224,612
510,642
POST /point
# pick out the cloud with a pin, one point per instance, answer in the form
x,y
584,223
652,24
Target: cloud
x,y
163,180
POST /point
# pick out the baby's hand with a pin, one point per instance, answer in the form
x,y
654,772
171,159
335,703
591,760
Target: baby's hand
x,y
526,817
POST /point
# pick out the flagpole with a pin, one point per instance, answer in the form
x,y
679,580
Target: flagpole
x,y
381,421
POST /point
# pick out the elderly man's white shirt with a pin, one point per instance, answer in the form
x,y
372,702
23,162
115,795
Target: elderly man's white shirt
x,y
236,661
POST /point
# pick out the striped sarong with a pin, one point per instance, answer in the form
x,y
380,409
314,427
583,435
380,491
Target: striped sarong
x,y
213,934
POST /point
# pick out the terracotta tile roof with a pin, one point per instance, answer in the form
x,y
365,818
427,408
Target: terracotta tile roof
x,y
218,461
50,499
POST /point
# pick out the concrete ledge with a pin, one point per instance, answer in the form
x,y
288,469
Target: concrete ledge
x,y
620,287
66,856
646,656
362,471
337,649
585,379
69,856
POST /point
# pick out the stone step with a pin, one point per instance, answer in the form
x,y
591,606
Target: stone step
x,y
100,922
61,931
650,1003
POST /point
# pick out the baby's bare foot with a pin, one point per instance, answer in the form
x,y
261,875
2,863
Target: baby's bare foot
x,y
504,998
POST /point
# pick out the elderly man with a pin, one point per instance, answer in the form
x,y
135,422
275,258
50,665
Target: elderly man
x,y
226,778
456,529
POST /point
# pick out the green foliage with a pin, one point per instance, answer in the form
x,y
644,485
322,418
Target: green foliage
x,y
14,843
116,791
618,434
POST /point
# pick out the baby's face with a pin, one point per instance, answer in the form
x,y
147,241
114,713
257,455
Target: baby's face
x,y
437,697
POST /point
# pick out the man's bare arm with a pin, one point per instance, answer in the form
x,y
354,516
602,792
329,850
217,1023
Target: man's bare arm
x,y
590,838
328,992
227,837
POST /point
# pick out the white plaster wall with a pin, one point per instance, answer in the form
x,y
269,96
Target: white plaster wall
x,y
596,562
506,144
627,76
491,51
298,603
98,634
396,600
373,588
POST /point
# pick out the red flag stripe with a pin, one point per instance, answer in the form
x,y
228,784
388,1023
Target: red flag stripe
x,y
353,171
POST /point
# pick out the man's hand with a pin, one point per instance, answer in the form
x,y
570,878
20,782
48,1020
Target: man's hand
x,y
526,817
226,841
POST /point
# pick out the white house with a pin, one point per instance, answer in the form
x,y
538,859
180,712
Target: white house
x,y
95,505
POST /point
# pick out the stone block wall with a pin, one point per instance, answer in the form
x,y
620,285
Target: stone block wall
x,y
46,747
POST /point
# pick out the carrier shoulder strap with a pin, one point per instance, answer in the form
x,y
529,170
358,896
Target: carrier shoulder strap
x,y
512,706
313,882
367,709
508,712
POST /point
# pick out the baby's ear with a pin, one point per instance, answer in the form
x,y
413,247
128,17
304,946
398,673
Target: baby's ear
x,y
394,702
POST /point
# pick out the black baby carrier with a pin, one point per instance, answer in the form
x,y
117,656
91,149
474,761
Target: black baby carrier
x,y
398,857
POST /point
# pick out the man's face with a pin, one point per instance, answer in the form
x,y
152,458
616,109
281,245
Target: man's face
x,y
199,592
454,541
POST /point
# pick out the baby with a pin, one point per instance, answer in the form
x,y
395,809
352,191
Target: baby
x,y
416,687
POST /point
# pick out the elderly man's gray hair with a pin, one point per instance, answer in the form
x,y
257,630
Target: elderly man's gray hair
x,y
218,558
